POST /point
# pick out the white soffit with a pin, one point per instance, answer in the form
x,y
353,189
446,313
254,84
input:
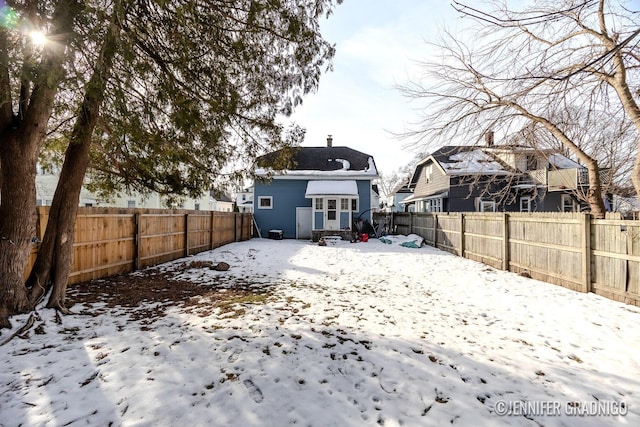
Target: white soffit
x,y
331,188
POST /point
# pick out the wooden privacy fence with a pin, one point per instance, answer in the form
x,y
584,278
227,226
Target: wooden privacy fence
x,y
573,250
111,241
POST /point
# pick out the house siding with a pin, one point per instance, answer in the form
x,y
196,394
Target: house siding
x,y
364,204
465,190
344,219
553,202
319,220
288,194
439,181
397,198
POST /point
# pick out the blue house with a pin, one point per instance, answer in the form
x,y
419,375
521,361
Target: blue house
x,y
322,191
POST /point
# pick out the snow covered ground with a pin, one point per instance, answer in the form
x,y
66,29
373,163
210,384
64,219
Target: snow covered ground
x,y
340,335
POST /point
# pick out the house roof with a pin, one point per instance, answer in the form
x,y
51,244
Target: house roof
x,y
321,160
402,187
219,196
462,160
414,198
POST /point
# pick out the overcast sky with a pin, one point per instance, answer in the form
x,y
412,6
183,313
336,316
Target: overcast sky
x,y
377,42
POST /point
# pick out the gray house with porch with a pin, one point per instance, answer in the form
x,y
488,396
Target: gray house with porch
x,y
496,178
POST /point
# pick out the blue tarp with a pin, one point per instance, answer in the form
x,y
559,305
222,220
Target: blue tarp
x,y
410,241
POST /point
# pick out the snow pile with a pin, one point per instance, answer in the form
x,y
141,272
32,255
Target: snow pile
x,y
561,162
346,165
297,334
334,188
472,162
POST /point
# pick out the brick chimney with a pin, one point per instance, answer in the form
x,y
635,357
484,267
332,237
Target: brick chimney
x,y
488,138
329,141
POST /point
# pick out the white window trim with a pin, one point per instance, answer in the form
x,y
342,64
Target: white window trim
x,y
484,203
428,173
357,207
261,198
572,203
431,205
528,199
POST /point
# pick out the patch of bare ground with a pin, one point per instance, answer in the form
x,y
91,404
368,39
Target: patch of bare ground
x,y
148,293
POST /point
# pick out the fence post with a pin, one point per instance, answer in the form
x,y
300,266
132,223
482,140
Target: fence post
x,y
505,242
435,230
136,241
411,222
392,228
586,253
235,227
186,235
241,226
211,234
462,235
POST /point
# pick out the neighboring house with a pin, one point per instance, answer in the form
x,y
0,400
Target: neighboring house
x,y
46,184
244,200
213,201
375,198
496,178
625,201
400,193
154,201
325,191
220,202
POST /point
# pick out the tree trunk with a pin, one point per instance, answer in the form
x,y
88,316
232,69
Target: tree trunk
x,y
55,255
53,263
17,227
594,194
635,177
65,216
18,157
21,137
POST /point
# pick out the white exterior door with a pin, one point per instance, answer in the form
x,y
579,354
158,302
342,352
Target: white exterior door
x,y
303,223
332,215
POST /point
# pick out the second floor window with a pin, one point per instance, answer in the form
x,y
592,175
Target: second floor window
x,y
532,163
428,173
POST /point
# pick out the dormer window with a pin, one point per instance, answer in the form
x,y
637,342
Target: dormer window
x,y
428,173
532,163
